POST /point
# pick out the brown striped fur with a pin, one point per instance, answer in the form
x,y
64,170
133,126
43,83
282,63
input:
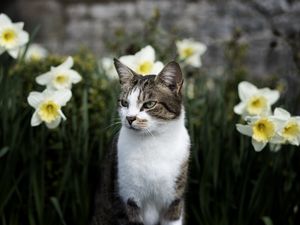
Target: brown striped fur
x,y
163,89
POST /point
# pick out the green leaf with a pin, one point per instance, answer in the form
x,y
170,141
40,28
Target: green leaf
x,y
267,220
3,151
56,205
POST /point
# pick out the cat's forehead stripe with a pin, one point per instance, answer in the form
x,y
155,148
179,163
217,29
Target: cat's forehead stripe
x,y
133,95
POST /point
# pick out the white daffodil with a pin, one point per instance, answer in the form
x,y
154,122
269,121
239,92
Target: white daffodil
x,y
47,106
108,65
143,62
255,101
289,127
261,129
12,36
60,77
35,52
190,51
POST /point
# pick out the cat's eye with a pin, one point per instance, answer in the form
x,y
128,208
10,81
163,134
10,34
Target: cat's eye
x,y
149,104
123,103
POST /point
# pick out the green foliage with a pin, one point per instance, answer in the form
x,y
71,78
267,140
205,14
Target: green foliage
x,y
49,176
230,183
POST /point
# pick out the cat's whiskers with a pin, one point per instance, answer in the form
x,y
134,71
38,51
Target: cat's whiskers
x,y
114,124
149,132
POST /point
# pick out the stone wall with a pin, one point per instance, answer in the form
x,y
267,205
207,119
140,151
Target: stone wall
x,y
264,26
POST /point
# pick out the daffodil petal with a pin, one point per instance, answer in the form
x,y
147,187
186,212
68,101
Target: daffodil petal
x,y
48,92
251,119
61,97
282,113
106,62
13,53
4,19
44,79
297,118
157,67
128,60
108,65
271,95
246,90
239,108
194,60
67,64
146,54
277,139
54,124
258,146
279,122
275,147
75,76
62,115
35,119
244,129
19,25
201,48
294,141
190,51
35,52
59,87
35,98
24,38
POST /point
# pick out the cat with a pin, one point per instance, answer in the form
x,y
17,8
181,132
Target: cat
x,y
145,174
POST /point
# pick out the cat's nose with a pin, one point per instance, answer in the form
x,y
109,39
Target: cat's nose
x,y
130,119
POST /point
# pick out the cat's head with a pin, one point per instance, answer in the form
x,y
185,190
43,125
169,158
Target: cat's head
x,y
147,103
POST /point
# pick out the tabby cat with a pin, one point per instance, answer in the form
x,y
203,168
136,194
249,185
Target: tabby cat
x,y
145,174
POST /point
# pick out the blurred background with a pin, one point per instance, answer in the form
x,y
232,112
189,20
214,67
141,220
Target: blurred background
x,y
268,28
50,176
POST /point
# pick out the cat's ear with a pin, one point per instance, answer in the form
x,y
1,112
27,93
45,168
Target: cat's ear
x,y
126,75
171,76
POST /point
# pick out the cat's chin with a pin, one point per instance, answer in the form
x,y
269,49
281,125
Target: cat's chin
x,y
138,130
133,128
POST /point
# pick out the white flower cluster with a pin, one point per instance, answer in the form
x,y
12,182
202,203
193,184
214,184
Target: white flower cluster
x,y
263,126
47,104
35,52
143,62
13,39
12,36
190,52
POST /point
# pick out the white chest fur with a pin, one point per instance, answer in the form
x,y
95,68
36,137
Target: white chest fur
x,y
148,167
